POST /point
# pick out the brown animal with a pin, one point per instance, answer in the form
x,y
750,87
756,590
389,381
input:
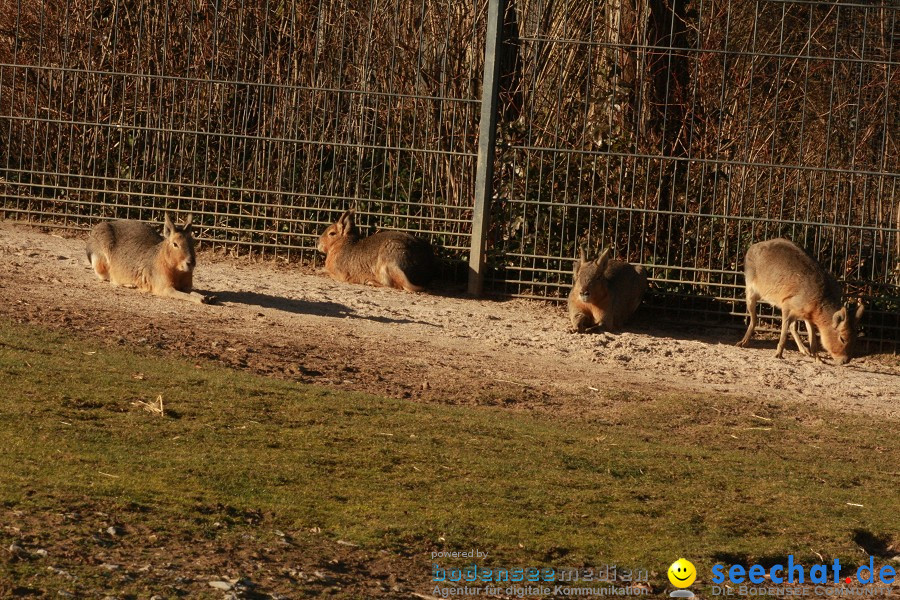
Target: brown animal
x,y
606,292
131,254
780,273
387,258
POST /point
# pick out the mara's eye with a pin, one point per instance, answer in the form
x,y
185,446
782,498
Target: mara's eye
x,y
332,233
843,341
175,244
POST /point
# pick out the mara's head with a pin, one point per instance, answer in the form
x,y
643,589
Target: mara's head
x,y
179,245
589,274
342,229
840,338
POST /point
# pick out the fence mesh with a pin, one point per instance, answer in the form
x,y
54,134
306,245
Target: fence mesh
x,y
679,132
263,119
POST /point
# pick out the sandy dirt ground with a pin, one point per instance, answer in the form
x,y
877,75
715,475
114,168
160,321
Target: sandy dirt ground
x,y
291,321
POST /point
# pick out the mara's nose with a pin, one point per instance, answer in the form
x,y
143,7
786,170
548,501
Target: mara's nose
x,y
843,360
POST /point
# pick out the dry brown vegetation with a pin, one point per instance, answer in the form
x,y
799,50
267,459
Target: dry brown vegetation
x,y
684,135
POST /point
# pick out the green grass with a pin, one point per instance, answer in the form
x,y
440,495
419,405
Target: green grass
x,y
647,480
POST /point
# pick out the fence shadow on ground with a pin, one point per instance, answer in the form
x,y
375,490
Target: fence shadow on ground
x,y
763,339
647,321
729,330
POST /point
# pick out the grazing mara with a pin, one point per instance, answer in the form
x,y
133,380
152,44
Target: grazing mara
x,y
780,273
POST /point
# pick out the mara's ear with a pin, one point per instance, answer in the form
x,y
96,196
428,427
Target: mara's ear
x,y
860,310
168,226
839,317
579,261
187,224
345,222
604,258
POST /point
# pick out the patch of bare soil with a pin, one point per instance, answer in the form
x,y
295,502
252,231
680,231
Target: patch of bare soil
x,y
292,322
93,550
97,550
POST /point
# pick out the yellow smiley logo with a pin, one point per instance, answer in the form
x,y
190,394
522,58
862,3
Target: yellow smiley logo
x,y
682,573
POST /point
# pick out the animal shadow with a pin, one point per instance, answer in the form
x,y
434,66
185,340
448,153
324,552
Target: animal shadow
x,y
306,307
879,546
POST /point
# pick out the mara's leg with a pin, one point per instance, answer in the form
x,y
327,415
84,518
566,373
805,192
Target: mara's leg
x,y
171,292
382,277
580,321
813,340
786,321
118,280
398,279
602,318
795,332
100,265
752,299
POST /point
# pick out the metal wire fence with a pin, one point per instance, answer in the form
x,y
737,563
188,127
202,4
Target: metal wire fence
x,y
676,131
263,119
681,132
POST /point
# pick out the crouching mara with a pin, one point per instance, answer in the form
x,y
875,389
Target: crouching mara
x,y
780,273
132,254
605,293
388,258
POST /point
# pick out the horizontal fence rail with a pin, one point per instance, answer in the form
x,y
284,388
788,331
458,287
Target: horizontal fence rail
x,y
678,132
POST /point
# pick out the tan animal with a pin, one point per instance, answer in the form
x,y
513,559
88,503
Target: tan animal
x,y
389,258
779,273
132,254
606,292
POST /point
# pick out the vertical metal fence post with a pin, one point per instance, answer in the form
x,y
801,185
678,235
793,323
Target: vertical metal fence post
x,y
484,174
